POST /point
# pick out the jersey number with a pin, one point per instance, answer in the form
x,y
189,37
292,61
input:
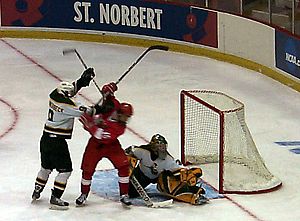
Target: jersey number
x,y
50,115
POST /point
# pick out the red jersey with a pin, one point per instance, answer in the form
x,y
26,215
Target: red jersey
x,y
108,130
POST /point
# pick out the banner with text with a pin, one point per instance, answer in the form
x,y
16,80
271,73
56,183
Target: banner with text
x,y
287,53
131,16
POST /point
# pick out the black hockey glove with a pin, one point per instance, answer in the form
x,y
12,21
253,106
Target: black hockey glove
x,y
86,77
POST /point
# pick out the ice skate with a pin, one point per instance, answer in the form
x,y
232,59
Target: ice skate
x,y
80,201
36,193
124,199
201,200
58,204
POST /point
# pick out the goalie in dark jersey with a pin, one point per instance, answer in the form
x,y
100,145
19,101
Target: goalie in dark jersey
x,y
54,152
152,163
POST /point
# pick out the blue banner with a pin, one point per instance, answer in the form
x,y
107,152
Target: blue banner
x,y
287,53
130,16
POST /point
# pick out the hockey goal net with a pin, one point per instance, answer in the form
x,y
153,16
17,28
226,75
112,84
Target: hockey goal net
x,y
215,136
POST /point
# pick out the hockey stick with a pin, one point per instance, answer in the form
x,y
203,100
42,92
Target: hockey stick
x,y
73,50
146,198
153,47
69,51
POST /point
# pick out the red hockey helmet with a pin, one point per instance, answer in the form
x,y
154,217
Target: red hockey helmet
x,y
126,109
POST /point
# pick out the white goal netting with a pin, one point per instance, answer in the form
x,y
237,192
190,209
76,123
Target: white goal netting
x,y
216,137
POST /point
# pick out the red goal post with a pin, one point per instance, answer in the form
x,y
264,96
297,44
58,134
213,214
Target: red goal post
x,y
215,136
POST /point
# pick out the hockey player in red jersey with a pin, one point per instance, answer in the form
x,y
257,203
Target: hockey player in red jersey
x,y
63,108
104,143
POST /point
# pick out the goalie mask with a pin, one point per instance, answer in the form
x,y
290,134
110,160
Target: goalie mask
x,y
66,88
159,146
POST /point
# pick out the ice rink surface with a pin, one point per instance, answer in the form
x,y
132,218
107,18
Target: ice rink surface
x,y
30,69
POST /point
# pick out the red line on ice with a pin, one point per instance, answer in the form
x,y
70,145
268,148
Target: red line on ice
x,y
15,118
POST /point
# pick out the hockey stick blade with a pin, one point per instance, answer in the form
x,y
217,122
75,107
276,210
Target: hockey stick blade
x,y
153,47
163,204
73,50
68,51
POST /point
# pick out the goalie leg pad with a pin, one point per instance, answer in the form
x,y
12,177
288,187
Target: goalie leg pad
x,y
190,175
181,185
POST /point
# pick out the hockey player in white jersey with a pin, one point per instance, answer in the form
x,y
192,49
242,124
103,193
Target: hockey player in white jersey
x,y
54,151
152,163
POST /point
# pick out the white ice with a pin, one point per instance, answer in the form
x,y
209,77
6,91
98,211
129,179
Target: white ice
x,y
30,69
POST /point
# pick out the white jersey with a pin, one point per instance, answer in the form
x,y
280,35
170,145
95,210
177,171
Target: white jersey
x,y
61,114
152,168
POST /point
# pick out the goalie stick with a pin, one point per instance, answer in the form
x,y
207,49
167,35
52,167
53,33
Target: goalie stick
x,y
146,198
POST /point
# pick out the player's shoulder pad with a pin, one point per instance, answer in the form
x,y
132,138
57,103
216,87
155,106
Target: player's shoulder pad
x,y
54,95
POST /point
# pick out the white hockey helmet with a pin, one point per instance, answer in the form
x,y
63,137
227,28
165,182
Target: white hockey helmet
x,y
66,88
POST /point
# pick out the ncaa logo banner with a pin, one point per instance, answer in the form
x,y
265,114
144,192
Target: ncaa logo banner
x,y
287,53
131,16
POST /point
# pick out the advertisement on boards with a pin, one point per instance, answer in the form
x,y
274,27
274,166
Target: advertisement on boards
x,y
168,21
287,52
